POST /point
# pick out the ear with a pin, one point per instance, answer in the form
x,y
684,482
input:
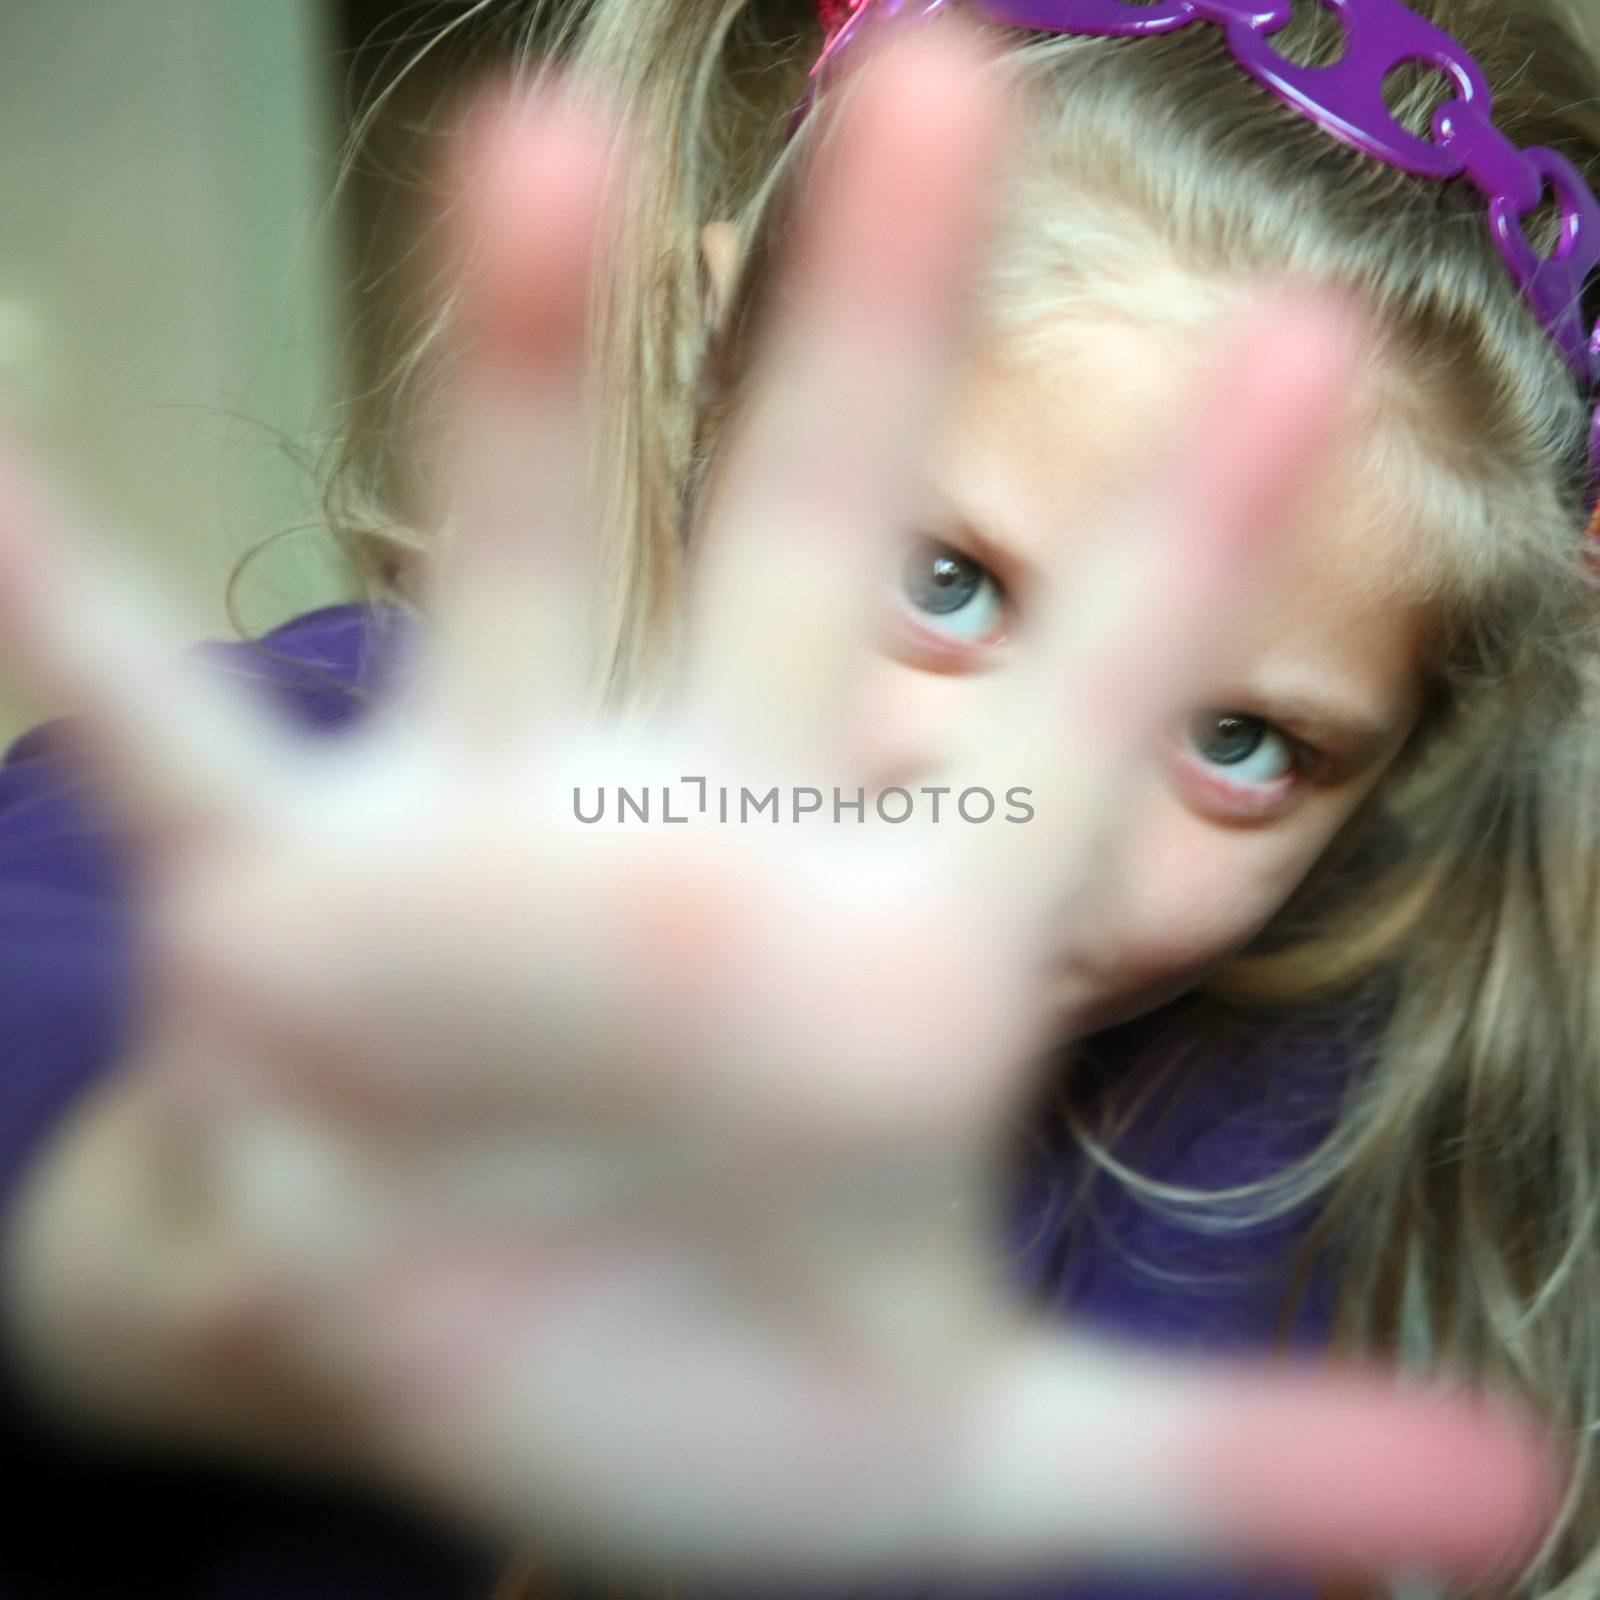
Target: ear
x,y
719,250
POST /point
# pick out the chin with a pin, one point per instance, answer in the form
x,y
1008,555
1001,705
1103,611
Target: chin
x,y
1088,1001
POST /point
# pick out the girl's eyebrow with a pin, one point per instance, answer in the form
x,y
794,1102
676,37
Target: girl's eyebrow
x,y
1355,734
982,538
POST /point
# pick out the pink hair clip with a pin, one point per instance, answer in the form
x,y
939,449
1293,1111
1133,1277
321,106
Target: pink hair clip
x,y
834,14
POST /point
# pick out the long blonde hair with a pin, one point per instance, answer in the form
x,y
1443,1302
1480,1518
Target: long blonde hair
x,y
1460,1188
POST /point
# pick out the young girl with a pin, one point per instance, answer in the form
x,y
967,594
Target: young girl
x,y
709,1284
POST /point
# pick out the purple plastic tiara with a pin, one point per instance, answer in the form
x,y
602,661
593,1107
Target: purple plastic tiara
x,y
1346,98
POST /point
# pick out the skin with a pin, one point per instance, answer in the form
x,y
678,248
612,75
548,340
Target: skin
x,y
1033,441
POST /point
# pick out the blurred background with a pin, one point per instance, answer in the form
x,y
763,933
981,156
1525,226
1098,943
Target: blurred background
x,y
195,291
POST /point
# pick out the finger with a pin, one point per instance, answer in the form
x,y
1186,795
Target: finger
x,y
172,747
1089,1459
1155,604
1051,1458
511,583
858,360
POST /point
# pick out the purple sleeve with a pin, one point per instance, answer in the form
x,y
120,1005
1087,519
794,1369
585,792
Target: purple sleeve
x,y
65,955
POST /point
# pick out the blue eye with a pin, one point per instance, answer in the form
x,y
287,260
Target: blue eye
x,y
1249,750
952,593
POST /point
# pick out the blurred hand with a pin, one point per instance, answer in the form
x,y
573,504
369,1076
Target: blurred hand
x,y
638,1185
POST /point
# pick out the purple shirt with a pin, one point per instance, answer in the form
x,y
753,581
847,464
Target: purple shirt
x,y
87,1524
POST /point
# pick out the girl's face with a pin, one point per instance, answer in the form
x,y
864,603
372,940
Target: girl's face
x,y
1227,817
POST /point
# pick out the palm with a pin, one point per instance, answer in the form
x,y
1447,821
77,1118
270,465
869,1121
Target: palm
x,y
642,1180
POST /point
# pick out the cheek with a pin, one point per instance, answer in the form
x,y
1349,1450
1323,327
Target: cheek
x,y
905,719
1178,896
1176,900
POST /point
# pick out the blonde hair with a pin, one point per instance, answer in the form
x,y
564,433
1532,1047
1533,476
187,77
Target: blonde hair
x,y
1460,1189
